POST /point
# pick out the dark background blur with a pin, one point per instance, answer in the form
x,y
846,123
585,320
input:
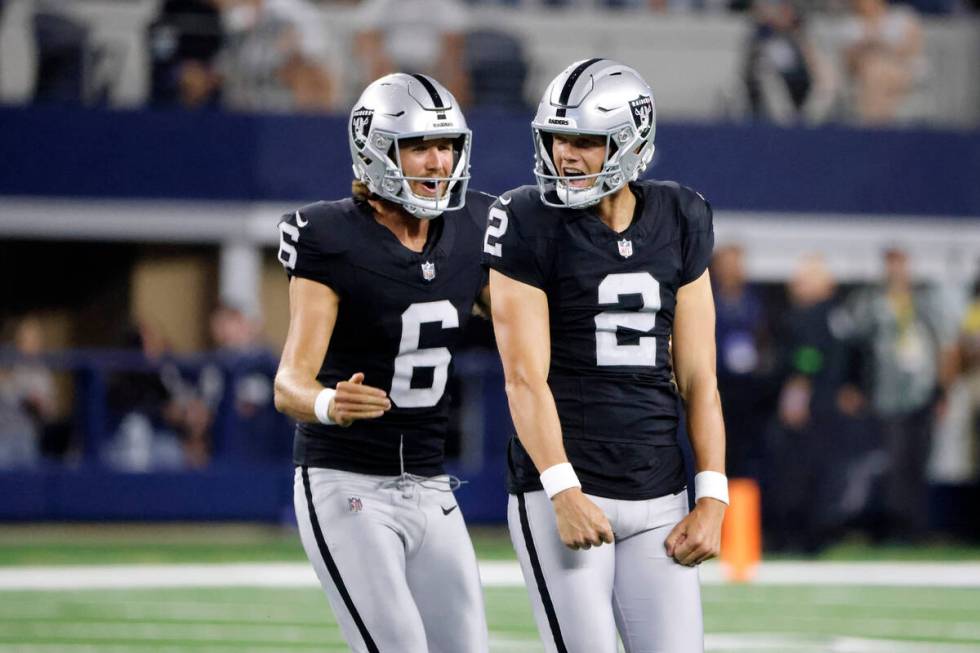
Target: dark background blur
x,y
149,147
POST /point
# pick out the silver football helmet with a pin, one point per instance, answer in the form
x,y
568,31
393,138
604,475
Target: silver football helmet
x,y
598,97
399,107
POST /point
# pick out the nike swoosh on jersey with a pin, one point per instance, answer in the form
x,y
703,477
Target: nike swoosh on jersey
x,y
300,222
448,510
505,200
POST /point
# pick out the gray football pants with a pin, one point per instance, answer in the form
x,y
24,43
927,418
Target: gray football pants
x,y
396,563
582,598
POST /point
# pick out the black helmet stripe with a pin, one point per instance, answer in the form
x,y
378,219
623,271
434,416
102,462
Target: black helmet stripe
x,y
433,93
566,90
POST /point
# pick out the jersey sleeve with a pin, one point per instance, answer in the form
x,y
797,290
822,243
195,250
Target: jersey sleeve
x,y
699,235
477,206
508,249
306,248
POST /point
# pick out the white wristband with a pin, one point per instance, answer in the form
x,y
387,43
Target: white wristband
x,y
321,407
559,477
711,485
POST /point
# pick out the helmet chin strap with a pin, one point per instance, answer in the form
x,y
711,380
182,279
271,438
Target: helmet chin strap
x,y
566,193
421,213
604,184
412,209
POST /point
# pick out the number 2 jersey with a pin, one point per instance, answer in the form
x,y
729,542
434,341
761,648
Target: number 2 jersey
x,y
400,317
611,300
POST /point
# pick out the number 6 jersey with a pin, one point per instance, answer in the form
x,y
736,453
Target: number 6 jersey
x,y
611,300
400,318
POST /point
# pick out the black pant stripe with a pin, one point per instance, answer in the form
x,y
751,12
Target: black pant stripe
x,y
332,566
549,608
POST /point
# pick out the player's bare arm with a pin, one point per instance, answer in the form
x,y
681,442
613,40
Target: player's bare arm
x,y
698,536
312,316
520,319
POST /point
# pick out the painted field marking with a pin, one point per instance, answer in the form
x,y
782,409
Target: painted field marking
x,y
492,573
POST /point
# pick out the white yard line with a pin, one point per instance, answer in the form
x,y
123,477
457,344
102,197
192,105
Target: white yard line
x,y
781,643
735,643
493,573
903,574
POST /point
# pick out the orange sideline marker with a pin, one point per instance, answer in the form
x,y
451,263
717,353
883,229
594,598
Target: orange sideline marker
x,y
741,532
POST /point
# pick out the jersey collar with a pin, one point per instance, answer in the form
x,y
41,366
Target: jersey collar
x,y
637,229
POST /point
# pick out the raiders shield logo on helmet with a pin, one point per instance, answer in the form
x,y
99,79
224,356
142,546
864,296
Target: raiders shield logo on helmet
x,y
360,126
642,110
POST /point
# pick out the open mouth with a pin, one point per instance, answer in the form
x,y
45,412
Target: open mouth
x,y
577,178
427,188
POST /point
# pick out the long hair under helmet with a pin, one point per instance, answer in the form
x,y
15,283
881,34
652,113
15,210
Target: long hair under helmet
x,y
597,97
398,107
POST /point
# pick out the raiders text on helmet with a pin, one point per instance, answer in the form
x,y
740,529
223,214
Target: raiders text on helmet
x,y
398,107
598,97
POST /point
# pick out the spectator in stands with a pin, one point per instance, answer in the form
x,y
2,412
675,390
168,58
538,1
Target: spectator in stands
x,y
497,67
237,386
937,7
968,369
415,36
786,78
742,335
883,58
906,333
27,397
275,57
61,44
956,453
674,5
184,41
162,424
811,440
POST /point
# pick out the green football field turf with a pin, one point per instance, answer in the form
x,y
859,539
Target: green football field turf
x,y
738,618
54,544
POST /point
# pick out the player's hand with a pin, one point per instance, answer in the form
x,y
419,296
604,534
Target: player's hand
x,y
581,523
355,401
697,537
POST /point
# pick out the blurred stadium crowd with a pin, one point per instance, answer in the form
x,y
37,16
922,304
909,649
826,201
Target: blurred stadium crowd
x,y
845,402
862,61
848,401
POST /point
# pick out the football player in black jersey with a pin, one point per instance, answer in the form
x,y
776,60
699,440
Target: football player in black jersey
x,y
381,287
603,314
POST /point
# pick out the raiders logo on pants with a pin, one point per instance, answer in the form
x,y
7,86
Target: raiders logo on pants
x,y
394,559
582,598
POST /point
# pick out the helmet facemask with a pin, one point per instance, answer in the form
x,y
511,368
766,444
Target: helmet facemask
x,y
394,110
396,186
627,155
453,187
594,97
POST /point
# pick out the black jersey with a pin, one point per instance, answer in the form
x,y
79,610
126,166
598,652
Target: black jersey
x,y
611,299
400,317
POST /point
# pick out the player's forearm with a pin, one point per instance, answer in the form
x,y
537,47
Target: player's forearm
x,y
706,426
295,395
532,407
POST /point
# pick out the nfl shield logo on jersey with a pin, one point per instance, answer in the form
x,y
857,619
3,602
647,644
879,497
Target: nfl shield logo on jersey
x,y
642,110
354,504
360,125
625,247
428,271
